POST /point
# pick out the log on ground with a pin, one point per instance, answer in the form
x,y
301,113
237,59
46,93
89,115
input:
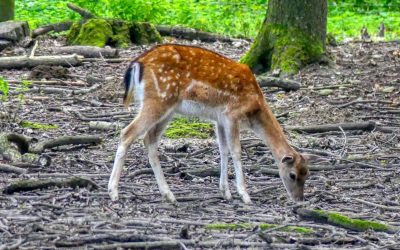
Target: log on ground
x,y
5,168
88,51
57,27
286,84
191,34
29,185
366,126
30,62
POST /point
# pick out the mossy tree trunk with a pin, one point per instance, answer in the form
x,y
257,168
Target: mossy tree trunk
x,y
6,10
292,35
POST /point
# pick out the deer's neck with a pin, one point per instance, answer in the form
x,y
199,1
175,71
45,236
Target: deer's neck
x,y
271,132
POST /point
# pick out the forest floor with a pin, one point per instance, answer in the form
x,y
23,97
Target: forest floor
x,y
361,180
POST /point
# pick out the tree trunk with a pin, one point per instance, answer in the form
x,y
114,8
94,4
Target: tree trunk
x,y
292,35
6,10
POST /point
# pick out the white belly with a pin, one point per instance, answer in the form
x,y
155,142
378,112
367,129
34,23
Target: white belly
x,y
193,108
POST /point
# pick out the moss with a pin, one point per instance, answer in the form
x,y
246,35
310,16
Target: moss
x,y
188,128
282,47
121,36
73,32
360,225
94,32
262,226
101,32
144,33
228,226
353,224
36,125
29,157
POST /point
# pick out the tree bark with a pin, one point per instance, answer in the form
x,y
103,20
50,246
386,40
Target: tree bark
x,y
292,35
6,10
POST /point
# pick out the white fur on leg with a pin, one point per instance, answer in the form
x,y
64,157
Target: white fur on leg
x,y
158,173
235,149
240,185
116,172
223,151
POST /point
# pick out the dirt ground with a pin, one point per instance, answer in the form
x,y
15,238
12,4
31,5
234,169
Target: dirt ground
x,y
361,180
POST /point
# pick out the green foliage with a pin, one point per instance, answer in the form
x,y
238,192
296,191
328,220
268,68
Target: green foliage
x,y
22,88
183,127
230,17
3,89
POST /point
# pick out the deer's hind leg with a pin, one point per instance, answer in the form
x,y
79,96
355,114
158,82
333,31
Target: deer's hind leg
x,y
149,115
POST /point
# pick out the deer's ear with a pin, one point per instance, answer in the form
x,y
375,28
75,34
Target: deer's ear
x,y
287,159
315,159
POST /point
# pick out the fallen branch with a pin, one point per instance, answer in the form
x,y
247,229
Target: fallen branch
x,y
83,12
64,140
108,60
5,168
88,51
29,62
57,27
286,84
84,240
164,244
52,82
366,126
29,185
337,219
191,34
343,105
382,207
53,90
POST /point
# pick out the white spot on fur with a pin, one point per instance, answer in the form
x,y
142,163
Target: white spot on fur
x,y
176,57
155,82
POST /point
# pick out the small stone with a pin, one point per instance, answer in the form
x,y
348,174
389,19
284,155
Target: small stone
x,y
388,89
325,92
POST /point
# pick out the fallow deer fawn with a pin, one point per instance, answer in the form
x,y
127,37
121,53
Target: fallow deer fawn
x,y
189,80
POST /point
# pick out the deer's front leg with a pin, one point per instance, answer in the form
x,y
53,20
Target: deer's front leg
x,y
223,151
233,139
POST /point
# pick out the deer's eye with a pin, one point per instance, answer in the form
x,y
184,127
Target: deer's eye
x,y
292,176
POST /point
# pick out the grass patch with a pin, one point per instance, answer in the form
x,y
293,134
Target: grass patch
x,y
37,125
183,127
262,226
